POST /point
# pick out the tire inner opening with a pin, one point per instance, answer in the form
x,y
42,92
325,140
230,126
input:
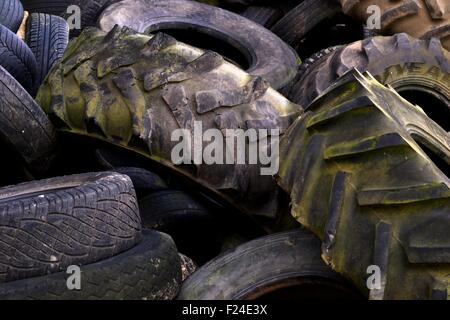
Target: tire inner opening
x,y
434,107
438,160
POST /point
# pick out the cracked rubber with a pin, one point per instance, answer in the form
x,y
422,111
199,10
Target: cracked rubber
x,y
135,90
47,36
401,61
424,19
48,225
24,126
260,266
267,55
377,194
149,271
17,58
11,14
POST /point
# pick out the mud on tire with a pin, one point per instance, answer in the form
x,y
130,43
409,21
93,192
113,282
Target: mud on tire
x,y
377,194
135,90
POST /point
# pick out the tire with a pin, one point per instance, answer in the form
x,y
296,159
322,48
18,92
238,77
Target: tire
x,y
47,36
310,13
414,67
52,7
24,127
11,14
384,184
264,15
261,267
48,225
90,12
149,271
192,226
266,55
144,181
210,83
17,58
424,19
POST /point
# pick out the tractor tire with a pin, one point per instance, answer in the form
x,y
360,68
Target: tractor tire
x,y
266,55
259,268
11,14
17,58
416,68
47,226
368,173
24,127
422,19
149,271
135,91
47,36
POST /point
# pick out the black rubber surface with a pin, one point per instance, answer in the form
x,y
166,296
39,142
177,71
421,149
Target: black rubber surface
x,y
11,14
48,225
149,271
17,58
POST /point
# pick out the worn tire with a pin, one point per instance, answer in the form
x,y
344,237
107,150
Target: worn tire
x,y
53,7
384,187
179,84
266,54
48,225
90,12
266,16
47,36
24,127
405,63
295,25
149,271
261,267
144,181
17,58
11,14
424,19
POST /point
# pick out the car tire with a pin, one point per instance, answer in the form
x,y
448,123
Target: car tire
x,y
11,14
47,36
17,58
149,271
261,267
48,225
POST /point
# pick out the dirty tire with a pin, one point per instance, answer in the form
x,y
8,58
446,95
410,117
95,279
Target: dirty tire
x,y
386,185
11,14
17,58
149,271
90,12
266,54
308,66
47,36
53,7
295,25
144,181
256,268
266,16
135,90
24,126
48,225
172,209
403,62
424,19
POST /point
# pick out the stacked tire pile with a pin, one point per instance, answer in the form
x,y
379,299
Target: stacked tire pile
x,y
92,205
